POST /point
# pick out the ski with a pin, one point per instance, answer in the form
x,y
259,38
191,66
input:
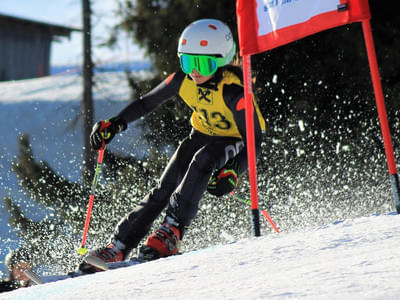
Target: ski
x,y
37,279
145,254
98,263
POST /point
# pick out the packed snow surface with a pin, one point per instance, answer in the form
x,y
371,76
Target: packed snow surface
x,y
349,259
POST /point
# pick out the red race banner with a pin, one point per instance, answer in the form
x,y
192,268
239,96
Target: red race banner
x,y
267,24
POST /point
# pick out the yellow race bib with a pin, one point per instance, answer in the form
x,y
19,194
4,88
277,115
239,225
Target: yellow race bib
x,y
211,115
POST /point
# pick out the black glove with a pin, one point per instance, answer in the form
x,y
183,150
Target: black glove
x,y
104,131
223,181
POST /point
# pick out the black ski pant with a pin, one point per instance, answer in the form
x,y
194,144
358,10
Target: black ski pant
x,y
181,186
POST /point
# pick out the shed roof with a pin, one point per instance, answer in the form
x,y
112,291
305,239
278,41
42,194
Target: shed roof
x,y
57,30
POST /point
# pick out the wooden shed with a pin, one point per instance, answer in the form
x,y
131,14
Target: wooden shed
x,y
25,47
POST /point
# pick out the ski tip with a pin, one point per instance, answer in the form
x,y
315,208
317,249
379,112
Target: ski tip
x,y
96,262
33,276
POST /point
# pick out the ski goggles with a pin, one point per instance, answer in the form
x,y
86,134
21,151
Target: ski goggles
x,y
206,65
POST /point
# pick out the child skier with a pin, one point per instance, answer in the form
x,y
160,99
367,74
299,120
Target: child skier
x,y
210,158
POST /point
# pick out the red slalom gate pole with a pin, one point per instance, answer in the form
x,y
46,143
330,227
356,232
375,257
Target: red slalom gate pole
x,y
380,104
269,219
82,250
251,149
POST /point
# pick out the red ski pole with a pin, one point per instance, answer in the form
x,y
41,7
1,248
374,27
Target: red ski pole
x,y
82,250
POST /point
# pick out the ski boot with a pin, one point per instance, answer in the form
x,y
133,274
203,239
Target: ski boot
x,y
164,242
111,253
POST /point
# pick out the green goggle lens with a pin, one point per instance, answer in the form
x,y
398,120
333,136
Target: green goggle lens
x,y
204,64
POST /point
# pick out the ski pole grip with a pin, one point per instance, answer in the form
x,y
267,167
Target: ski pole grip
x,y
104,124
105,135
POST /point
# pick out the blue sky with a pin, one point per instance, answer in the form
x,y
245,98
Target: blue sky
x,y
68,13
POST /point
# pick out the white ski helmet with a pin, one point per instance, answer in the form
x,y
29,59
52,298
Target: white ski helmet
x,y
208,37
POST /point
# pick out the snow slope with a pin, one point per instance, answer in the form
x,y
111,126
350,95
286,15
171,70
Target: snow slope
x,y
350,259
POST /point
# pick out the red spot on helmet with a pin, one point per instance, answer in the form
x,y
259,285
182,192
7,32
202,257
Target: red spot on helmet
x,y
203,43
212,26
183,42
